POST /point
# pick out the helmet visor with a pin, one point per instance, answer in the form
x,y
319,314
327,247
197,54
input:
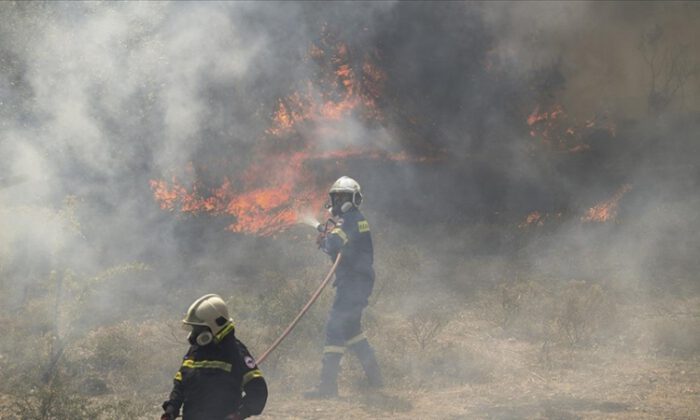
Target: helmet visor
x,y
337,199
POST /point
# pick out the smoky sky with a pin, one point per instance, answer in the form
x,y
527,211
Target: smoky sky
x,y
99,98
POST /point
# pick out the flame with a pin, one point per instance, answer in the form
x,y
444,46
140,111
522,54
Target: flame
x,y
260,204
534,217
538,116
538,219
606,210
339,92
166,195
602,212
278,189
267,209
287,194
557,130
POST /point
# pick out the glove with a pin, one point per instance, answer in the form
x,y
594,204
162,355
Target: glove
x,y
320,238
234,416
170,413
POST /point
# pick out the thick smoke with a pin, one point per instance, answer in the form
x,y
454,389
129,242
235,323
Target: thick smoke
x,y
96,99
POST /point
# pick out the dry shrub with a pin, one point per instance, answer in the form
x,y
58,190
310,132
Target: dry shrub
x,y
576,313
443,364
59,402
526,306
398,271
426,326
43,384
113,348
416,352
585,313
262,317
513,295
676,337
54,401
62,377
127,357
464,364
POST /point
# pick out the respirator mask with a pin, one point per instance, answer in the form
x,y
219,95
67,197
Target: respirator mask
x,y
340,203
199,335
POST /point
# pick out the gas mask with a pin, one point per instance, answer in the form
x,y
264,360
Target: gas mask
x,y
340,203
199,335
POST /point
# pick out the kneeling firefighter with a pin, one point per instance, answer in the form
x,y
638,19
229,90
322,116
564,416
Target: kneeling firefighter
x,y
354,280
218,378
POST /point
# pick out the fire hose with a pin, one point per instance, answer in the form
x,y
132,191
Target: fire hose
x,y
306,307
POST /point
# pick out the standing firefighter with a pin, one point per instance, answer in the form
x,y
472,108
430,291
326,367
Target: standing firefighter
x,y
216,371
354,280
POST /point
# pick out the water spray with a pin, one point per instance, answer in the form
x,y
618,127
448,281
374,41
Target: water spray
x,y
310,220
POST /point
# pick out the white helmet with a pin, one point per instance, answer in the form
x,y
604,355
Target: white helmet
x,y
208,311
345,185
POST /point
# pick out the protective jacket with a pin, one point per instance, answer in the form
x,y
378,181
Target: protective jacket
x,y
352,236
212,379
354,279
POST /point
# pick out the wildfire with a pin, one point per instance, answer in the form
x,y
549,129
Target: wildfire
x,y
266,198
602,212
278,190
556,129
288,192
606,210
550,115
262,210
532,218
339,91
538,219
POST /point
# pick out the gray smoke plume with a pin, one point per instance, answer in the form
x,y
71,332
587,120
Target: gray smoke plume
x,y
97,99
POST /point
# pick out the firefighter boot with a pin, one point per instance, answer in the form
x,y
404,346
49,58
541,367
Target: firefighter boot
x,y
368,360
328,386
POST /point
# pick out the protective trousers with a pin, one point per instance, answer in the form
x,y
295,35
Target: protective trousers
x,y
368,360
344,330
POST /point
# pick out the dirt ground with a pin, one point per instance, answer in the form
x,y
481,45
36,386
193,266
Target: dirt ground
x,y
623,387
526,381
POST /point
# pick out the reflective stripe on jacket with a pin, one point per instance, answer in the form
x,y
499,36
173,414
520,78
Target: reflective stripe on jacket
x,y
351,236
212,379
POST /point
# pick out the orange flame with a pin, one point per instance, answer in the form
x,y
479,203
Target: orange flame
x,y
341,92
538,219
532,218
606,210
284,194
262,210
556,129
277,188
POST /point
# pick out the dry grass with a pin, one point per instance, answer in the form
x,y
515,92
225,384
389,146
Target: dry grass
x,y
515,346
